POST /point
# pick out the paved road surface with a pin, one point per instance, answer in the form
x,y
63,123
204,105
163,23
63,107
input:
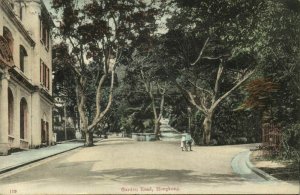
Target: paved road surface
x,y
116,166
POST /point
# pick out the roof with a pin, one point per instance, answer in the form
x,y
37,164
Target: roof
x,y
11,15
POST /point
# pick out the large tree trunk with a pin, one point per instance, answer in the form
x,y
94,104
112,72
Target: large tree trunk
x,y
156,128
207,128
161,110
89,139
81,102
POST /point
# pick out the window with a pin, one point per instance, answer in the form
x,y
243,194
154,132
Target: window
x,y
21,12
44,131
21,9
41,71
9,38
23,118
41,30
47,77
44,75
44,34
23,55
10,112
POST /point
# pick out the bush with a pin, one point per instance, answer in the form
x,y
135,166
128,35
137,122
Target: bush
x,y
60,135
291,142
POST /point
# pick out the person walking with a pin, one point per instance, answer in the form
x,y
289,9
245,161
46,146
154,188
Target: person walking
x,y
189,140
183,142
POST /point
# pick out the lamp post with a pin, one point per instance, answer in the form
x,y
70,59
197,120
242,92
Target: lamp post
x,y
65,121
189,115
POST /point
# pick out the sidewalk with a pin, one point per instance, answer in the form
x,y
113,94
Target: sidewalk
x,y
241,165
19,159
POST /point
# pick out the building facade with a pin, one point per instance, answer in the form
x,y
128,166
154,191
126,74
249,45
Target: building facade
x,y
25,75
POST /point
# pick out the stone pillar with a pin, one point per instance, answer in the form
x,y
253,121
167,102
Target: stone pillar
x,y
4,145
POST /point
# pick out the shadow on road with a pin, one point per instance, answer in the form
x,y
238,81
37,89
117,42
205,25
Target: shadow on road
x,y
148,176
64,174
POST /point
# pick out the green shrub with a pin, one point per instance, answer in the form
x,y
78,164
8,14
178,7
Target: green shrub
x,y
291,142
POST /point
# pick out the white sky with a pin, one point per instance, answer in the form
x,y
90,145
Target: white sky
x,y
47,3
161,23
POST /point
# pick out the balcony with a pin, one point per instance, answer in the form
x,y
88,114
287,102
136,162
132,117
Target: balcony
x,y
24,144
11,140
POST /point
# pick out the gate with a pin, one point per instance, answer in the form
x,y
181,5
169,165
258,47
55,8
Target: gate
x,y
271,139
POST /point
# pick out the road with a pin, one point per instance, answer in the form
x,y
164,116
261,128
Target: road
x,y
123,166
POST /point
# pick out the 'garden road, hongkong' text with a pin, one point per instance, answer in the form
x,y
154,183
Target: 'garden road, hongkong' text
x,y
150,189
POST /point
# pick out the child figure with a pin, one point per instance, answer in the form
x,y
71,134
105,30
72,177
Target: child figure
x,y
189,140
183,142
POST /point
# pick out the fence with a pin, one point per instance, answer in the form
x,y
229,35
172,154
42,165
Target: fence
x,y
271,139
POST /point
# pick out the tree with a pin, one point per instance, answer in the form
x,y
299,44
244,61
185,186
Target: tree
x,y
151,75
281,51
63,85
99,31
212,51
281,56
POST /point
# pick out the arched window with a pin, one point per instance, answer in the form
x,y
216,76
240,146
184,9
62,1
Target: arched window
x,y
9,38
23,57
10,112
23,118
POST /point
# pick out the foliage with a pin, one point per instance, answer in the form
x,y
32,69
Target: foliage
x,y
260,93
100,31
211,51
234,126
291,142
277,90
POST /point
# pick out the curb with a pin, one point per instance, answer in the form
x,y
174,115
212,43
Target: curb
x,y
67,141
5,170
259,172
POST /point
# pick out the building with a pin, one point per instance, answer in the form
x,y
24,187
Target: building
x,y
25,68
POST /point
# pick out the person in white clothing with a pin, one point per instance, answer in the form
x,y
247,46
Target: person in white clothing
x,y
183,142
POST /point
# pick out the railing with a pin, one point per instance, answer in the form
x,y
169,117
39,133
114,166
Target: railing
x,y
143,136
24,144
10,140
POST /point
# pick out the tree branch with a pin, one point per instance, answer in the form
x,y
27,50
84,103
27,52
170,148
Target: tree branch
x,y
200,88
153,101
201,52
187,94
110,100
162,92
81,99
231,90
217,83
99,96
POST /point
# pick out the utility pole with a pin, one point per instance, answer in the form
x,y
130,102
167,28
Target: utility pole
x,y
65,121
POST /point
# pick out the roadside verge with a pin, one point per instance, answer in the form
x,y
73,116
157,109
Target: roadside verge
x,y
242,166
20,159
